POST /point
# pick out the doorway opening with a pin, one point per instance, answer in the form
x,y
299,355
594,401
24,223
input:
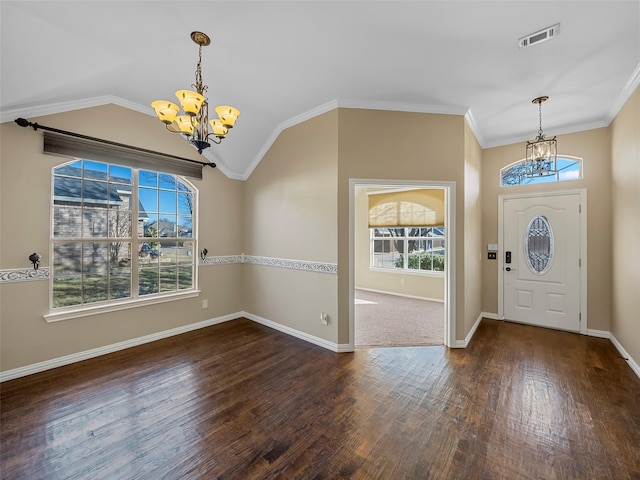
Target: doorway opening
x,y
401,277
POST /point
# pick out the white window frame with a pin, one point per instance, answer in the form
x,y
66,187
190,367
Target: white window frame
x,y
135,300
405,269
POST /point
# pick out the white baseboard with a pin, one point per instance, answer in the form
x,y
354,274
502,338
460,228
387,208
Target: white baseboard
x,y
598,333
334,347
632,363
96,352
464,343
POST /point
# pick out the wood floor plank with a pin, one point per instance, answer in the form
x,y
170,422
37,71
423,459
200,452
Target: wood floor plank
x,y
241,401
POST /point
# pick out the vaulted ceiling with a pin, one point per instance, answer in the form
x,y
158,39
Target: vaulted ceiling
x,y
283,62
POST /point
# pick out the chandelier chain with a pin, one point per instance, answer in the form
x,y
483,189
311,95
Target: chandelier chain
x,y
540,112
200,88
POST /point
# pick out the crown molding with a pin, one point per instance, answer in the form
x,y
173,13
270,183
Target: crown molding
x,y
62,107
624,96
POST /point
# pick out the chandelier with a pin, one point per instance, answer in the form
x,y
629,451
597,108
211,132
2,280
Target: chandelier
x,y
541,152
194,123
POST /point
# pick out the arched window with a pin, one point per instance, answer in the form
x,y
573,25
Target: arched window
x,y
119,235
568,168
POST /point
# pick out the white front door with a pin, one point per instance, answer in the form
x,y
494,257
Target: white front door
x,y
541,260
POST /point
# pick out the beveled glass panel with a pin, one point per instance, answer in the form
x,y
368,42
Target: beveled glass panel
x,y
539,244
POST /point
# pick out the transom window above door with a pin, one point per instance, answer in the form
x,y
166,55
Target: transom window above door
x,y
567,168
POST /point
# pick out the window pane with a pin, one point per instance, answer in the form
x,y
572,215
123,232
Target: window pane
x,y
185,203
167,226
67,274
167,202
148,200
119,174
119,223
149,278
184,253
167,181
168,279
67,222
95,170
185,226
120,270
185,277
169,255
148,179
66,190
94,193
95,269
94,222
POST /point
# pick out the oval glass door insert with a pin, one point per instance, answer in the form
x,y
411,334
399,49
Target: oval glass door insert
x,y
538,244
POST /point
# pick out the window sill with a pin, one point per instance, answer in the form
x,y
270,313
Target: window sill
x,y
58,316
419,273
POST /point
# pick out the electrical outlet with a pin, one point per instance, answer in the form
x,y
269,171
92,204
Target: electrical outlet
x,y
324,318
205,303
491,255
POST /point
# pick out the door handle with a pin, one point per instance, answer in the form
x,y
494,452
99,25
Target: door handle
x,y
508,269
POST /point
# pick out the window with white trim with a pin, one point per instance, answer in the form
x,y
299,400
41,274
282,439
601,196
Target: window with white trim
x,y
414,249
568,168
119,234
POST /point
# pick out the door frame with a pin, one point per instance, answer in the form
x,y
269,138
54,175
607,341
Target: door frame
x,y
583,247
450,251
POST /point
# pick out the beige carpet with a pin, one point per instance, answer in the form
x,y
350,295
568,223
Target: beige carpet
x,y
391,320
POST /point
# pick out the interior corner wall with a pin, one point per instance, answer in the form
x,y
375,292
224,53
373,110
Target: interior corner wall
x,y
472,229
290,211
427,286
625,238
25,203
410,146
594,147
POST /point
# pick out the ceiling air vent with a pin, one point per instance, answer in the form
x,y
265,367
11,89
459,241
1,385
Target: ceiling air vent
x,y
539,37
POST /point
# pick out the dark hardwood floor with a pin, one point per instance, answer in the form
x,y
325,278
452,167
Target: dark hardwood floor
x,y
242,401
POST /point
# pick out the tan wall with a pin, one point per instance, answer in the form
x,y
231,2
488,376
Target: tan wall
x,y
290,205
625,241
410,146
472,229
26,338
594,146
401,283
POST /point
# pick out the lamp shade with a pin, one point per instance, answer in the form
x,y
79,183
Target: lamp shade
x,y
183,124
219,130
166,111
191,101
228,115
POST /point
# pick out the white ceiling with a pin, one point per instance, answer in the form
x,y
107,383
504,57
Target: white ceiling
x,y
283,62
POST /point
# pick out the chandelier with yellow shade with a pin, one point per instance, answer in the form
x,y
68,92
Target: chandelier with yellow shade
x,y
194,122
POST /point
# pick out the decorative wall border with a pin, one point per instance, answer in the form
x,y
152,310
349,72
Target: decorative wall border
x,y
24,275
29,274
319,267
221,260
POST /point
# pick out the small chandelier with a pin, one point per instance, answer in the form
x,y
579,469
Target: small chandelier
x,y
194,124
541,152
